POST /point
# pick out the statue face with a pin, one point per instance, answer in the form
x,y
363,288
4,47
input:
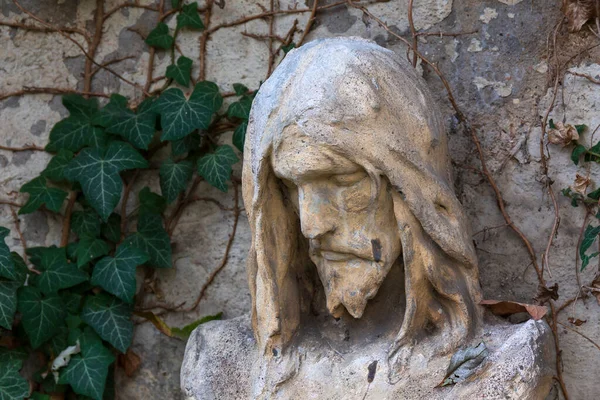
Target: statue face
x,y
351,227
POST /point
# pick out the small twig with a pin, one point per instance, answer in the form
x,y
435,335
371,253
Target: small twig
x,y
586,76
161,306
204,40
18,229
126,192
413,33
35,28
211,278
10,203
182,201
214,201
66,228
451,34
68,37
114,61
127,5
580,334
309,23
27,147
46,90
271,61
268,14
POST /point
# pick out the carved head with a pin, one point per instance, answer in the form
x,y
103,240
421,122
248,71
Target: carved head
x,y
346,168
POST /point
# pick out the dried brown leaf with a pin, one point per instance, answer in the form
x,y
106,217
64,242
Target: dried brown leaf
x,y
578,12
130,362
576,322
581,184
506,308
562,134
596,285
545,293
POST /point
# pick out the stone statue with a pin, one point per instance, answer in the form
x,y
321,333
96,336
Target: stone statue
x,y
361,254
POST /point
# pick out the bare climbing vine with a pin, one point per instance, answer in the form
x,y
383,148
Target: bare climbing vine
x,y
79,312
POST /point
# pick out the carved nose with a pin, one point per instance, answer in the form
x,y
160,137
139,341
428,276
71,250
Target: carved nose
x,y
316,215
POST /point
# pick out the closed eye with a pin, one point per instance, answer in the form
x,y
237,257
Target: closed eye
x,y
349,179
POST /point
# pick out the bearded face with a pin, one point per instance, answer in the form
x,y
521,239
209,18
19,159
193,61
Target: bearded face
x,y
347,217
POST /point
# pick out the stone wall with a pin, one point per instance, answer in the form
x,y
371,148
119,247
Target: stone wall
x,y
500,77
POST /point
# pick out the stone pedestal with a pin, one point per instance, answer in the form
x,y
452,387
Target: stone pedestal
x,y
221,362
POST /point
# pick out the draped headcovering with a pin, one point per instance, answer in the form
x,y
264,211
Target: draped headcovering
x,y
369,105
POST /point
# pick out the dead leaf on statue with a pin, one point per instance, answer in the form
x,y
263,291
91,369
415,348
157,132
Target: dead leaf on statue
x,y
506,308
577,322
130,362
545,293
463,364
596,285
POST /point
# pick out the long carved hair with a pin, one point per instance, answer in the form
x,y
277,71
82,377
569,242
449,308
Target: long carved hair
x,y
395,131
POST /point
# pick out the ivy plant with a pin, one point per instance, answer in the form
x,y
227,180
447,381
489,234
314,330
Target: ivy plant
x,y
78,297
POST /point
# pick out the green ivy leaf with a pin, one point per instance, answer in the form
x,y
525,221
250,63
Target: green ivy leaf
x,y
551,124
240,89
41,194
240,109
21,269
72,301
16,354
185,145
86,223
137,128
189,17
288,47
181,116
12,385
239,136
89,249
7,265
216,167
174,178
97,170
589,237
159,37
56,271
577,152
595,195
152,238
42,315
180,72
110,318
580,128
77,130
39,396
185,332
8,303
151,203
87,371
175,3
111,229
54,169
116,274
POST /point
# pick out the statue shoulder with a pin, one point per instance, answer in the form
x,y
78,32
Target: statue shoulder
x,y
218,360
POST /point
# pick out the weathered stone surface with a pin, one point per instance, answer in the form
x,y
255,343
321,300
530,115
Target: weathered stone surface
x,y
219,365
514,47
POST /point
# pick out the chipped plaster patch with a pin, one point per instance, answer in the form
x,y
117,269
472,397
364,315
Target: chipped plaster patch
x,y
510,15
502,89
474,46
541,67
488,15
451,51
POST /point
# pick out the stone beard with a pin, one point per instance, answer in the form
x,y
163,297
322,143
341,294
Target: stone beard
x,y
361,253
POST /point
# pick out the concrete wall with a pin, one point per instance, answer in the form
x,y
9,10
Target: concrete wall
x,y
499,78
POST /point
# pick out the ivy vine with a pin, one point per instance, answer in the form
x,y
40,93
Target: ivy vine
x,y
72,304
